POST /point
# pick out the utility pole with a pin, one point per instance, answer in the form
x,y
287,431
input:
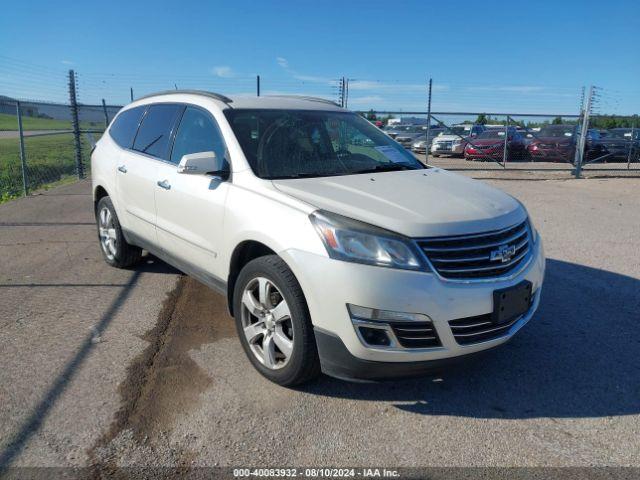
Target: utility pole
x,y
346,94
75,123
428,146
258,85
583,132
341,92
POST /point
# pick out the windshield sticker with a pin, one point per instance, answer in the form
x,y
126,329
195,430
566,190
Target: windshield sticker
x,y
392,154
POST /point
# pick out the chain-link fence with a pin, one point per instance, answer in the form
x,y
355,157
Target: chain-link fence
x,y
39,145
42,143
516,141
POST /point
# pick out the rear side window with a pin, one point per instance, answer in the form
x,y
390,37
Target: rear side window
x,y
125,126
154,133
197,133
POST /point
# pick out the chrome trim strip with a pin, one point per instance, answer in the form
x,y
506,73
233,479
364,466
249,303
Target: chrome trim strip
x,y
473,259
510,239
467,326
484,269
483,332
473,235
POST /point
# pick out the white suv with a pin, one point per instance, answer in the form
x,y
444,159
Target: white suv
x,y
334,254
453,140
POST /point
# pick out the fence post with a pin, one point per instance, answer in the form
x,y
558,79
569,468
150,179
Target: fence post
x,y
631,145
23,157
427,145
506,139
106,115
73,105
583,133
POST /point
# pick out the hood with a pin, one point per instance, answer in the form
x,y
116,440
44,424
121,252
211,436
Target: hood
x,y
553,140
488,141
409,136
415,203
618,142
446,138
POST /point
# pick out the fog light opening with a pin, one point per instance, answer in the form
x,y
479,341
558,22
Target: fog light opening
x,y
375,336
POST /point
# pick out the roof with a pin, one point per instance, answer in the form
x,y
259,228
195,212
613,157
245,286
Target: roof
x,y
288,102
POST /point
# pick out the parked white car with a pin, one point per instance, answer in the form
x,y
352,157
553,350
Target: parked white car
x,y
351,259
453,140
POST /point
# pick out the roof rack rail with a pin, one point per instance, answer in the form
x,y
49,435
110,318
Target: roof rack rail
x,y
306,97
204,93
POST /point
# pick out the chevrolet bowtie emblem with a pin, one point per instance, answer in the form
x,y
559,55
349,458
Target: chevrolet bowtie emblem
x,y
504,253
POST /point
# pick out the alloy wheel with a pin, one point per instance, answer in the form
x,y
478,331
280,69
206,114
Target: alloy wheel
x,y
107,232
266,322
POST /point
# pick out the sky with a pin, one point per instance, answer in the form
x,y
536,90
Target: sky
x,y
483,56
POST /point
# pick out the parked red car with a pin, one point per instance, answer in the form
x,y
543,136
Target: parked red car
x,y
558,143
489,145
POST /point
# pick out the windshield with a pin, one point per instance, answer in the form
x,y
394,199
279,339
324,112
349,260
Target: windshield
x,y
625,134
559,131
456,131
407,128
300,143
493,133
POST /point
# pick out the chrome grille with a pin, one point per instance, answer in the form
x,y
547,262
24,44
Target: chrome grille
x,y
483,255
415,334
446,145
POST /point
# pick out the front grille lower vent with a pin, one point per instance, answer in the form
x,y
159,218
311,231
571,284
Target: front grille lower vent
x,y
483,255
416,334
481,328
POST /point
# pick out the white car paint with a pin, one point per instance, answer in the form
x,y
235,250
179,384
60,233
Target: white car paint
x,y
200,220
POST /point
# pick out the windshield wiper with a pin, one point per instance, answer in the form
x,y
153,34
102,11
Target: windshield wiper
x,y
307,175
386,167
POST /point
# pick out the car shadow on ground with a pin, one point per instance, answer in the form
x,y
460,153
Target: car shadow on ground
x,y
152,264
578,357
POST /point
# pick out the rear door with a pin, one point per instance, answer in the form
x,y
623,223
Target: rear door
x,y
190,208
137,170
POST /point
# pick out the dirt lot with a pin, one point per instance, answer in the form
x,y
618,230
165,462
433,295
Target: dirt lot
x,y
107,368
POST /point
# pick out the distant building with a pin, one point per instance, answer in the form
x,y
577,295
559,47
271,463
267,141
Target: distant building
x,y
8,106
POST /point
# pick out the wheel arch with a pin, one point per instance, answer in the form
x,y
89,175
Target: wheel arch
x,y
99,192
243,253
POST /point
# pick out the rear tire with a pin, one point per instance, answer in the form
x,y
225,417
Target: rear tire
x,y
273,322
115,249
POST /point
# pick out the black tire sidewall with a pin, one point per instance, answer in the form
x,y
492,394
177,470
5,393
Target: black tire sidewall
x,y
119,259
304,349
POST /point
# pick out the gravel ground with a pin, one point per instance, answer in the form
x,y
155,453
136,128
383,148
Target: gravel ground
x,y
111,368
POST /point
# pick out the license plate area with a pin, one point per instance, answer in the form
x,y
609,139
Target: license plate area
x,y
510,303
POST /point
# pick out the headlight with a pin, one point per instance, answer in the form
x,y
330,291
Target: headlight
x,y
353,241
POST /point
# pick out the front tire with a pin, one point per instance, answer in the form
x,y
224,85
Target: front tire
x,y
115,249
273,322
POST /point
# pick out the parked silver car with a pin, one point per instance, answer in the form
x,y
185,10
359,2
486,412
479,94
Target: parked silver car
x,y
421,143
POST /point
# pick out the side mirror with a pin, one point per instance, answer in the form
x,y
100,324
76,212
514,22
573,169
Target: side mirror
x,y
202,163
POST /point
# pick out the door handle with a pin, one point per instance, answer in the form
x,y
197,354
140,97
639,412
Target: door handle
x,y
122,169
164,184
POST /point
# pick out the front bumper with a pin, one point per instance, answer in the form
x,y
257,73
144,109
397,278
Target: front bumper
x,y
551,154
329,285
454,150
